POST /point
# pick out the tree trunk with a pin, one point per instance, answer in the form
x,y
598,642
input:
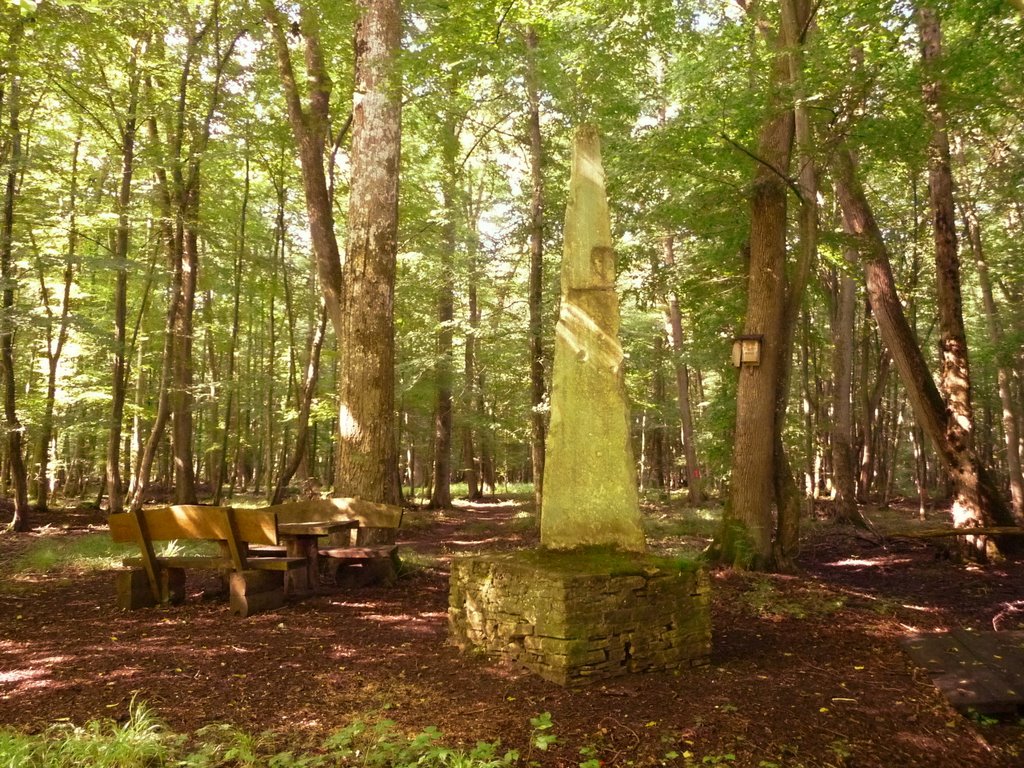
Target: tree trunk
x,y
1004,372
796,17
309,127
119,384
367,457
55,347
305,405
745,537
843,467
960,460
15,435
954,372
538,418
471,470
232,353
674,322
441,496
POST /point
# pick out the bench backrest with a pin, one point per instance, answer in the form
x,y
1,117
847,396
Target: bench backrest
x,y
368,513
232,527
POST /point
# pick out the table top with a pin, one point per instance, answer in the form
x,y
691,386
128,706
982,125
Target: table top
x,y
316,528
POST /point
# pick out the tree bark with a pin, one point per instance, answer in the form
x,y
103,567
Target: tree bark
x,y
674,321
441,496
843,466
745,539
55,346
122,238
15,435
1004,372
954,372
367,457
538,396
960,460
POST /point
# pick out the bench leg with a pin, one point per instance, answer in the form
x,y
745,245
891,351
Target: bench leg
x,y
133,588
365,573
256,591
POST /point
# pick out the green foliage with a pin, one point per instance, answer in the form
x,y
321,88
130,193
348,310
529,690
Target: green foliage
x,y
92,551
142,741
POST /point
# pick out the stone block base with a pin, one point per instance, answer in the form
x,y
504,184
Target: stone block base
x,y
580,616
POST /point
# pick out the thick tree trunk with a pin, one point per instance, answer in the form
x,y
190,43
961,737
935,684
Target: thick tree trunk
x,y
367,456
745,539
181,399
960,460
538,418
789,501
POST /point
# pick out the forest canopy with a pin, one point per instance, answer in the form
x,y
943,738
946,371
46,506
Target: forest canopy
x,y
843,180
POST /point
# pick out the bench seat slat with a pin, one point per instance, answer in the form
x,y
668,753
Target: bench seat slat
x,y
276,563
184,561
355,554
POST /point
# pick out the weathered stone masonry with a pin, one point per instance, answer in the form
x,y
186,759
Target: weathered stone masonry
x,y
573,619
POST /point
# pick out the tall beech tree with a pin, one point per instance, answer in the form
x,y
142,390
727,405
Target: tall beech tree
x,y
367,456
746,536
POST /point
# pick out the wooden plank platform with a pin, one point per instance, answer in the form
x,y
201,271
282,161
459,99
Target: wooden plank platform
x,y
979,672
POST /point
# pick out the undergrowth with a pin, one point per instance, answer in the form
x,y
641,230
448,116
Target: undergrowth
x,y
142,741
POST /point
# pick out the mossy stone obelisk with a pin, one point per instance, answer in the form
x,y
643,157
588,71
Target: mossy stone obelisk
x,y
590,495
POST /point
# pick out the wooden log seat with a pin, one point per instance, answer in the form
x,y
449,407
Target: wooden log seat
x,y
361,566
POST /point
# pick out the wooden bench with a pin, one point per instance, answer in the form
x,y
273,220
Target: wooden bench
x,y
254,584
365,555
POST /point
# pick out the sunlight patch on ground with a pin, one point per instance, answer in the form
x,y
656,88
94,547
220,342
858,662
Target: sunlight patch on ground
x,y
21,675
477,542
871,562
499,504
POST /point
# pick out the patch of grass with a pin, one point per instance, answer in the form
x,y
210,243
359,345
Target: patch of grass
x,y
87,551
524,522
90,551
143,742
421,520
700,522
140,742
414,562
766,600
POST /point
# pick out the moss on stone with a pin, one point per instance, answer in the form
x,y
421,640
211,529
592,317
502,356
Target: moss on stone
x,y
586,561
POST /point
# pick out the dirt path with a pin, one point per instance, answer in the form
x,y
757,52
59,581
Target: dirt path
x,y
806,671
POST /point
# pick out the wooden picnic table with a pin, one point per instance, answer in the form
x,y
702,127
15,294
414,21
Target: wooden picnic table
x,y
302,540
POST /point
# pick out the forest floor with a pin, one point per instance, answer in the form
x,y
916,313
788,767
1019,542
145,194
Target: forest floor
x,y
806,670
